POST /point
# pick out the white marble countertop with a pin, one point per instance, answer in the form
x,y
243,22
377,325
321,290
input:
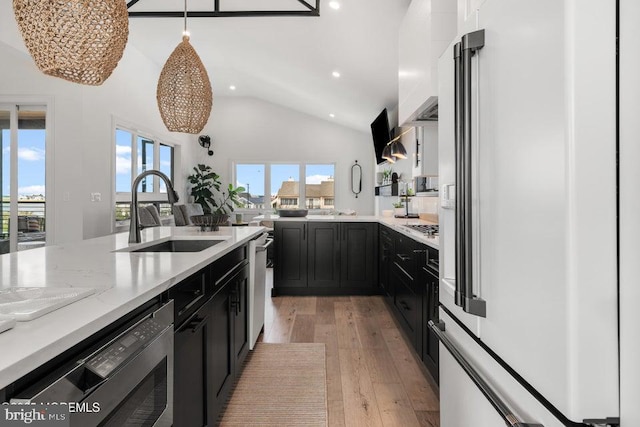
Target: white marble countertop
x,y
395,223
124,281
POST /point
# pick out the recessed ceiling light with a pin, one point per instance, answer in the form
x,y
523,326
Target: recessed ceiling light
x,y
232,87
332,115
336,74
334,5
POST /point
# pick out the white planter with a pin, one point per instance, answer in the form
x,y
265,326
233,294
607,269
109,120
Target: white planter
x,y
399,211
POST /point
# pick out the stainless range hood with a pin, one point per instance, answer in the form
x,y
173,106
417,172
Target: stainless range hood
x,y
427,112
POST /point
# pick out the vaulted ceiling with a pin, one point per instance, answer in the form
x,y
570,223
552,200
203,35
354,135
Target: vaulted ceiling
x,y
289,60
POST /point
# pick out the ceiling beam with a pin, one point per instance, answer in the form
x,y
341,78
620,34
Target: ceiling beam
x,y
217,13
310,7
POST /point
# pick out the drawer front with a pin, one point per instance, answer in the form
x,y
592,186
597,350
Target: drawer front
x,y
188,295
408,304
405,255
227,265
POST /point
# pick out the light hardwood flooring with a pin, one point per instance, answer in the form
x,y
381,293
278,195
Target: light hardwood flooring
x,y
374,377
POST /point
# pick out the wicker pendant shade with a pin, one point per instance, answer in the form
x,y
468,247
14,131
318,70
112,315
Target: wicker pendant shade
x,y
76,40
184,91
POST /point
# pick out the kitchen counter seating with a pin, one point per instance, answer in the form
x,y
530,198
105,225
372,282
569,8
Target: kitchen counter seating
x,y
124,282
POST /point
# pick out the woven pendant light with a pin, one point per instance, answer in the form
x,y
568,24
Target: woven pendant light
x,y
184,91
77,40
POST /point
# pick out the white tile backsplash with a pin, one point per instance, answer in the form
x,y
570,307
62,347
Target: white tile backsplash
x,y
424,204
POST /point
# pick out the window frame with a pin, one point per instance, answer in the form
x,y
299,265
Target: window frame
x,y
48,105
302,167
156,196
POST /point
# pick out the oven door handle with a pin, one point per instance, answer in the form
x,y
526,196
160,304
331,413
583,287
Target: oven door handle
x,y
264,247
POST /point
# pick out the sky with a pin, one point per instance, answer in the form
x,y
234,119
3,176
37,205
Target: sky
x,y
253,175
31,166
123,162
31,162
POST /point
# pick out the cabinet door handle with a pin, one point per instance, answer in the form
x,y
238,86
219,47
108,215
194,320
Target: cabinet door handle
x,y
403,257
233,302
304,231
405,306
197,323
238,300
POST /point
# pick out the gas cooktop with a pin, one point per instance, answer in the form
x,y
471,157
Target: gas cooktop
x,y
426,229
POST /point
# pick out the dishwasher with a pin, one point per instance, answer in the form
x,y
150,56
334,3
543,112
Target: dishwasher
x,y
257,281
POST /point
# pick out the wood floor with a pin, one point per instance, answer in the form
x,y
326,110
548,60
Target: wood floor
x,y
374,378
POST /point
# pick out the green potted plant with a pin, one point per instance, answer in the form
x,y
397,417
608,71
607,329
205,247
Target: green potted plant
x,y
398,208
216,204
386,176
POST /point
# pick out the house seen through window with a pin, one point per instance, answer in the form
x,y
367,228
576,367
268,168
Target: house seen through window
x,y
281,183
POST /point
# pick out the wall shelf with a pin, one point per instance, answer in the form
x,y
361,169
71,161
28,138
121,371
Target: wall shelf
x,y
387,190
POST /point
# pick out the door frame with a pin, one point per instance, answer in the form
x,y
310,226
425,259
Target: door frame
x,y
11,103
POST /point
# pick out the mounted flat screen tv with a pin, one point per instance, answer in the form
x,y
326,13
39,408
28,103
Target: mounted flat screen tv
x,y
381,134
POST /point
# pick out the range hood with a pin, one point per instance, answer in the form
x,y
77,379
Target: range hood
x,y
427,112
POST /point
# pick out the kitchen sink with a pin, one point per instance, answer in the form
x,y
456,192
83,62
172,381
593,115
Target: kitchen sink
x,y
179,246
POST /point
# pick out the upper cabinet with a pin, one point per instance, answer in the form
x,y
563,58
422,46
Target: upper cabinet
x,y
425,32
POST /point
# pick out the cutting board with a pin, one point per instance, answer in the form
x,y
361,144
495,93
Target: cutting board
x,y
26,304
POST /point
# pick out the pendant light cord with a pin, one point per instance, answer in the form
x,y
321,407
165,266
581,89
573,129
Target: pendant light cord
x,y
185,18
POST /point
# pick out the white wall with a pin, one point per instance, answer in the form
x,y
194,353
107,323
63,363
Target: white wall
x,y
248,129
242,129
82,128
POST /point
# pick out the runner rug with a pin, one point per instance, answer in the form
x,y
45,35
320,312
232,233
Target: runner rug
x,y
281,385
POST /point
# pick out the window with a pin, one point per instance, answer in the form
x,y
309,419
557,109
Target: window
x,y
251,177
285,185
281,182
134,154
319,188
23,207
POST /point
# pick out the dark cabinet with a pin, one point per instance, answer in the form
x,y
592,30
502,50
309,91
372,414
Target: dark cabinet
x,y
430,348
220,350
325,258
323,254
409,279
240,315
407,297
229,337
191,369
357,258
212,341
290,265
385,254
408,305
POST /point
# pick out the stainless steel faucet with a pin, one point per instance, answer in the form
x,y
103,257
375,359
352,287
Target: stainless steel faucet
x,y
134,223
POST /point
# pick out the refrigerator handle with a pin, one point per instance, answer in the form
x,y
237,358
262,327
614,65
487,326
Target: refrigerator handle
x,y
459,167
471,43
507,414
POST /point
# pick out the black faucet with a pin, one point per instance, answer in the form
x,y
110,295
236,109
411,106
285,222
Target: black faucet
x,y
134,223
